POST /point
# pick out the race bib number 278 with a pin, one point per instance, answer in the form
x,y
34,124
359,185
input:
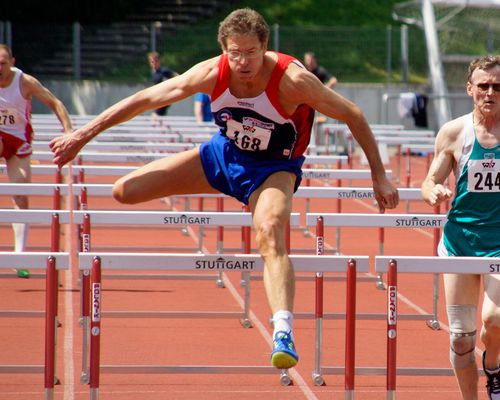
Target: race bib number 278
x,y
7,117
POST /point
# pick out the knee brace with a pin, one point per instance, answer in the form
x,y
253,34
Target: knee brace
x,y
462,320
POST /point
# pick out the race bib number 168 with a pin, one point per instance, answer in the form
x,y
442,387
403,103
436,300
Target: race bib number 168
x,y
248,137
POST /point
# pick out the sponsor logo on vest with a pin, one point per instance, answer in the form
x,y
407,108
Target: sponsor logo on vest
x,y
248,121
224,115
245,104
489,164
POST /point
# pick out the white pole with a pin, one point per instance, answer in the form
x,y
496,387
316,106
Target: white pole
x,y
441,103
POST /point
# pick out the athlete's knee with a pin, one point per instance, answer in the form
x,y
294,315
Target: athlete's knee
x,y
462,320
268,232
491,323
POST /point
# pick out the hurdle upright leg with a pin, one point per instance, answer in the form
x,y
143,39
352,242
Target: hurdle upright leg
x,y
392,298
381,242
320,247
50,328
55,235
434,322
245,276
350,330
95,329
220,241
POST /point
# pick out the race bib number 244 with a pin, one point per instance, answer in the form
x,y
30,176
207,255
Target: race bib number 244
x,y
484,176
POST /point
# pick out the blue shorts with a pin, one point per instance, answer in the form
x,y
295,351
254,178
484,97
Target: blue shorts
x,y
237,174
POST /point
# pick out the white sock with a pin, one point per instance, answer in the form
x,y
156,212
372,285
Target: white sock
x,y
283,321
20,236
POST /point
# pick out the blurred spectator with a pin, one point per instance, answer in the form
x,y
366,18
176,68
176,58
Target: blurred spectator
x,y
159,74
322,73
202,109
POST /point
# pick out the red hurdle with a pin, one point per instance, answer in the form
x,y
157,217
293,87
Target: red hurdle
x,y
350,328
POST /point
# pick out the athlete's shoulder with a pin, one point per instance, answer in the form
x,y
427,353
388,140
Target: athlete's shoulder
x,y
451,134
455,126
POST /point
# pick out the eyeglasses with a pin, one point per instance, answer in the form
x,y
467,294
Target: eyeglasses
x,y
236,55
484,87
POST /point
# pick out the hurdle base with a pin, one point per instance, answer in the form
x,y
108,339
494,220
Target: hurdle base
x,y
173,314
434,324
49,394
318,379
84,378
246,323
22,369
285,379
403,371
22,313
365,316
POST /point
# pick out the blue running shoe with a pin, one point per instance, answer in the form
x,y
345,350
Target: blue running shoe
x,y
284,355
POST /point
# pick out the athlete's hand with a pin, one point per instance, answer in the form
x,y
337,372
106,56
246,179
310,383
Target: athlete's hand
x,y
386,194
65,148
438,194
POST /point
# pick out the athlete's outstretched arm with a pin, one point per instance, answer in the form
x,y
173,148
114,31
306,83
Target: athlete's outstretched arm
x,y
200,78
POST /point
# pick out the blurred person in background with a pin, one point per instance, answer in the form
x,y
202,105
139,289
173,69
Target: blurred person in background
x,y
202,110
320,72
158,75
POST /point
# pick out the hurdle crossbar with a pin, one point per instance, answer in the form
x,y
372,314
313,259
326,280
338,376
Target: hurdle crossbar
x,y
379,220
139,157
435,264
126,146
329,173
214,262
226,218
360,193
202,219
